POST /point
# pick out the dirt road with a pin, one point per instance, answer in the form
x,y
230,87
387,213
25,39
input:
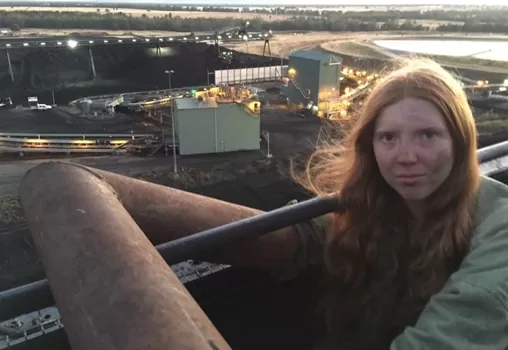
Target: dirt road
x,y
12,171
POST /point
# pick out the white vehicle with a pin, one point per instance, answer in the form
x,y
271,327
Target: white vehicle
x,y
42,107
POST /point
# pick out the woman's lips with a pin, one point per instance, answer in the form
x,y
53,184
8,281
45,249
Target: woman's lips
x,y
409,178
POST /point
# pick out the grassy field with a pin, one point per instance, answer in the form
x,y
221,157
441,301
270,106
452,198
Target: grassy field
x,y
282,44
155,13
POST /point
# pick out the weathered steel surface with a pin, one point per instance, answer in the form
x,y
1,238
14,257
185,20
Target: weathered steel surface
x,y
113,289
37,295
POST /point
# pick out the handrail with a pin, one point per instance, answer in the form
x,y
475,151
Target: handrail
x,y
299,88
57,141
497,150
69,150
356,92
136,93
37,295
38,135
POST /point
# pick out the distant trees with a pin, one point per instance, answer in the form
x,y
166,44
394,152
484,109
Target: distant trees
x,y
485,14
480,21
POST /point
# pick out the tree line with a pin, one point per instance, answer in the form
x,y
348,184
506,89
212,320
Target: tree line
x,y
488,14
348,22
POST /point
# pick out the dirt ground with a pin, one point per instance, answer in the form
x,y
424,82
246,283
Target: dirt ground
x,y
59,120
156,13
289,134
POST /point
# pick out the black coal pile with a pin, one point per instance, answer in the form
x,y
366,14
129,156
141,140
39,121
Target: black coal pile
x,y
68,72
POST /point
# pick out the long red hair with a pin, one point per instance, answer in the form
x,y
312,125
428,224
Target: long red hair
x,y
371,248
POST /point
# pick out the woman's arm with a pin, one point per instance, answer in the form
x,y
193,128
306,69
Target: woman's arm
x,y
471,312
462,316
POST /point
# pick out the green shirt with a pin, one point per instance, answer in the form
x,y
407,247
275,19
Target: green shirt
x,y
471,311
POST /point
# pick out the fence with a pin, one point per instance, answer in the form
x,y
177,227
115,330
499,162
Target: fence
x,y
250,75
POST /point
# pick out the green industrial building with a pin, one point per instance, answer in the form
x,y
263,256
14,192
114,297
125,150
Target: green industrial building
x,y
204,126
314,76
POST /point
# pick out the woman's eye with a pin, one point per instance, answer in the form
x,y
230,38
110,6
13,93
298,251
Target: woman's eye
x,y
428,134
387,138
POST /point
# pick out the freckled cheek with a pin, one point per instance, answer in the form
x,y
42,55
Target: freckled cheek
x,y
385,159
439,159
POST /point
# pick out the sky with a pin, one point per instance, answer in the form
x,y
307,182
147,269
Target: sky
x,y
337,3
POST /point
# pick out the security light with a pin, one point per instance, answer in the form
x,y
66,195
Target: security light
x,y
72,43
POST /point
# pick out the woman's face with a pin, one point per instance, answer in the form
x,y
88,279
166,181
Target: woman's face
x,y
413,148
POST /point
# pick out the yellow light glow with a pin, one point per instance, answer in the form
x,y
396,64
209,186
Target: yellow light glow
x,y
36,141
118,142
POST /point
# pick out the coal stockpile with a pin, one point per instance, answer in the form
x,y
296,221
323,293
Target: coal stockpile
x,y
120,68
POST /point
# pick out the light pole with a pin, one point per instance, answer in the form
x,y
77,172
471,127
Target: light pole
x,y
246,38
169,73
268,154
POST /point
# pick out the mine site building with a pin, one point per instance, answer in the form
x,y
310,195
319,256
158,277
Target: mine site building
x,y
313,77
204,126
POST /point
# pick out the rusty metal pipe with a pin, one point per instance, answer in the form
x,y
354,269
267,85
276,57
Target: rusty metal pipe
x,y
112,287
166,214
37,295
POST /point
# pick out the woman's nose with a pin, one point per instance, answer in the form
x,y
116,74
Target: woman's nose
x,y
407,154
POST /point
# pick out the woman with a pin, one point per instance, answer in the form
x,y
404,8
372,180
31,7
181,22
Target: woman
x,y
418,261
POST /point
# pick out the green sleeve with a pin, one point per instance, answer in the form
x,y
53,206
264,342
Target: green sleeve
x,y
471,311
461,317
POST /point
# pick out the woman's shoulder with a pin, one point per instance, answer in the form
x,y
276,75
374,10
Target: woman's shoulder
x,y
486,264
471,310
492,208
